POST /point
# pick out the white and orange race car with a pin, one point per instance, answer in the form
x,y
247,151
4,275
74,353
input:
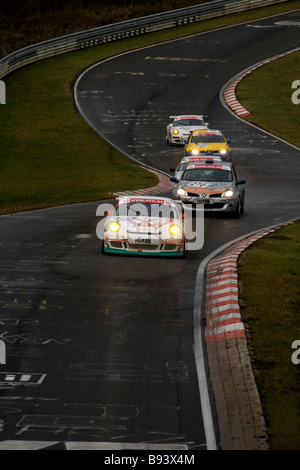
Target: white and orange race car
x,y
143,225
179,130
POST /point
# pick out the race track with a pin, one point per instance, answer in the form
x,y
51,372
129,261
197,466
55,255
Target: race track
x,y
101,348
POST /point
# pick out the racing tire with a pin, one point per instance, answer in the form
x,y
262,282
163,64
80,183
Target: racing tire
x,y
242,211
238,211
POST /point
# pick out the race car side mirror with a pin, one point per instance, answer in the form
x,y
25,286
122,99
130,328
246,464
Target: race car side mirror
x,y
185,141
228,141
240,182
173,179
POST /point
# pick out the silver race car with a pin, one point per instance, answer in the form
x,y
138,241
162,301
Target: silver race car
x,y
185,161
145,226
215,187
179,130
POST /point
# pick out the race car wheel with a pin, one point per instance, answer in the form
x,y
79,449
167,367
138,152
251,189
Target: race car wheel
x,y
238,211
243,207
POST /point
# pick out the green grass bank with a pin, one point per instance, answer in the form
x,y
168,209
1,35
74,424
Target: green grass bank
x,y
267,94
269,269
270,306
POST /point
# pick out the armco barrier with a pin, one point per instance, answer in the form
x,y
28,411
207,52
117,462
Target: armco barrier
x,y
126,29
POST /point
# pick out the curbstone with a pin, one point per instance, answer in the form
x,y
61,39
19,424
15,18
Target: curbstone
x,y
229,91
237,401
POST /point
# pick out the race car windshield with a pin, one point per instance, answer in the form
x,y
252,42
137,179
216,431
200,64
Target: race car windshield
x,y
146,209
189,122
182,166
207,174
207,139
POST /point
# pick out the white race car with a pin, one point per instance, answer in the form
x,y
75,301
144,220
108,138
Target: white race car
x,y
145,226
179,130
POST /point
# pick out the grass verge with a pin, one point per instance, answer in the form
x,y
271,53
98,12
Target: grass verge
x,y
269,269
49,154
270,306
271,105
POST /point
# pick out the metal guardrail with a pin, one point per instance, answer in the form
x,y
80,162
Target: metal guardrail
x,y
125,30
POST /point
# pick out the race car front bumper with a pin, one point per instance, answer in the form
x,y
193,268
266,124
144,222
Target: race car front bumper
x,y
176,140
127,248
211,204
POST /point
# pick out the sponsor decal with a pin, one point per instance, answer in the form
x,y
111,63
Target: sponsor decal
x,y
206,132
213,167
179,118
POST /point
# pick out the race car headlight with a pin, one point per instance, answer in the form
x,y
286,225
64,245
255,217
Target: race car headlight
x,y
181,192
175,131
195,152
175,229
223,151
228,193
114,227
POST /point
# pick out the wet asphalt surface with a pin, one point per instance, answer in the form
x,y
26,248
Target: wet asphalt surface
x,y
100,348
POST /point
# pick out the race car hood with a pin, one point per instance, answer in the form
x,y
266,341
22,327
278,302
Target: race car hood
x,y
207,146
205,187
144,225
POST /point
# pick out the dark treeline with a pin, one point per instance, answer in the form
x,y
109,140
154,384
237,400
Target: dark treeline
x,y
25,22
